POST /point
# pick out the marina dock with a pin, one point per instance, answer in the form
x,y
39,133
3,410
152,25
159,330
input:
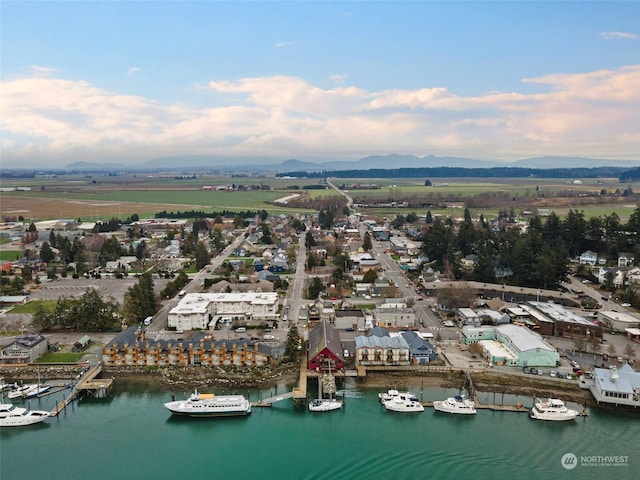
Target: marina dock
x,y
87,384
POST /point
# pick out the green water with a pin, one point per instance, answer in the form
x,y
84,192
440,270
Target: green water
x,y
132,436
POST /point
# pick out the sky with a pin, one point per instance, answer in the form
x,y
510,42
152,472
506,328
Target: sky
x,y
127,82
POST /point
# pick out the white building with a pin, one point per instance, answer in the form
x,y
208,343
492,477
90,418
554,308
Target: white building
x,y
618,321
204,310
617,386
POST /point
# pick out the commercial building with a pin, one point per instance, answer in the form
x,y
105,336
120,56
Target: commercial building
x,y
204,310
618,321
512,345
616,386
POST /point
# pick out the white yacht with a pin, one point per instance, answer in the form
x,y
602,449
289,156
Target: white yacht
x,y
12,416
17,391
325,405
388,395
552,409
210,405
457,404
404,402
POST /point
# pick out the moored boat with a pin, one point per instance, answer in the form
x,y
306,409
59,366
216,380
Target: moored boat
x,y
388,395
325,405
552,409
210,405
12,416
17,391
457,404
404,402
36,390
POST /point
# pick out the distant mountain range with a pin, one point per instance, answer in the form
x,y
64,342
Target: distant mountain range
x,y
270,164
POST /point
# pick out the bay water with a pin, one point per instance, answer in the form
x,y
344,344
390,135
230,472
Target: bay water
x,y
130,435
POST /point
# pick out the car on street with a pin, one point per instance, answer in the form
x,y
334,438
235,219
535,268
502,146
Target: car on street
x,y
626,304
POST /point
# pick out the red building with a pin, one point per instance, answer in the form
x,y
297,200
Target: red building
x,y
325,349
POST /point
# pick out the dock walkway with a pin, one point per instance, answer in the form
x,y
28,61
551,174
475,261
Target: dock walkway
x,y
86,383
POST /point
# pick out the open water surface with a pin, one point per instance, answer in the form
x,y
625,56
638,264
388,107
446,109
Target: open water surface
x,y
130,435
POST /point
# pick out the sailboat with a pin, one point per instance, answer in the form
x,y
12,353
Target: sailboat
x,y
326,404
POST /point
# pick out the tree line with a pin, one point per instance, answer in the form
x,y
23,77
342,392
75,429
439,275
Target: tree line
x,y
536,256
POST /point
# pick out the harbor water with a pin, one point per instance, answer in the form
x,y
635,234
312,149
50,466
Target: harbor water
x,y
130,435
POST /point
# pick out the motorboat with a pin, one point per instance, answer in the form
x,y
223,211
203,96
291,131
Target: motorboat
x,y
457,404
210,405
36,390
388,395
325,405
12,416
552,409
17,391
404,402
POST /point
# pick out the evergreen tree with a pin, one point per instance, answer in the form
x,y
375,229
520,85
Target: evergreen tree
x,y
140,300
366,242
202,256
46,254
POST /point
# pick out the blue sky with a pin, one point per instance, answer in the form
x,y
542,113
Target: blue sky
x,y
131,81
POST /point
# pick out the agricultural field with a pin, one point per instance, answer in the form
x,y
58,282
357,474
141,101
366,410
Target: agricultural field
x,y
100,197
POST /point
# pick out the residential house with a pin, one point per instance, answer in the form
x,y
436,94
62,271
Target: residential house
x,y
25,349
625,260
588,258
421,352
615,273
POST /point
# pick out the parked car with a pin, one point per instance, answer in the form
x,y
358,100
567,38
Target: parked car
x,y
526,370
569,377
552,373
626,304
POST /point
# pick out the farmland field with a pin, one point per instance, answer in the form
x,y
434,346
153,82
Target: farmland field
x,y
95,197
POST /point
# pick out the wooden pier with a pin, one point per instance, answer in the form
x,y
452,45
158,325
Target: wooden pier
x,y
88,384
299,393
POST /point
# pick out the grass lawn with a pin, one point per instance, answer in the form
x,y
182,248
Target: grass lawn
x,y
10,255
32,307
60,357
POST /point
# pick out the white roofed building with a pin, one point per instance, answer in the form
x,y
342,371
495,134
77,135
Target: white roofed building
x,y
617,386
203,310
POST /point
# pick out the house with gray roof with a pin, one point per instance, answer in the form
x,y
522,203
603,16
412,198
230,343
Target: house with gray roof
x,y
382,350
25,349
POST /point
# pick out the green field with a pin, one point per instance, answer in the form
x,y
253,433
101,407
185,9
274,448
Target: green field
x,y
10,255
60,357
32,307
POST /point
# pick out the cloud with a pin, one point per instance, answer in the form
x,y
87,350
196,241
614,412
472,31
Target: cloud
x,y
338,78
40,71
133,71
618,36
284,44
56,120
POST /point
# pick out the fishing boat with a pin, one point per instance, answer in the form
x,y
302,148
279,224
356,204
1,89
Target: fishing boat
x,y
404,402
457,404
12,416
210,405
552,409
